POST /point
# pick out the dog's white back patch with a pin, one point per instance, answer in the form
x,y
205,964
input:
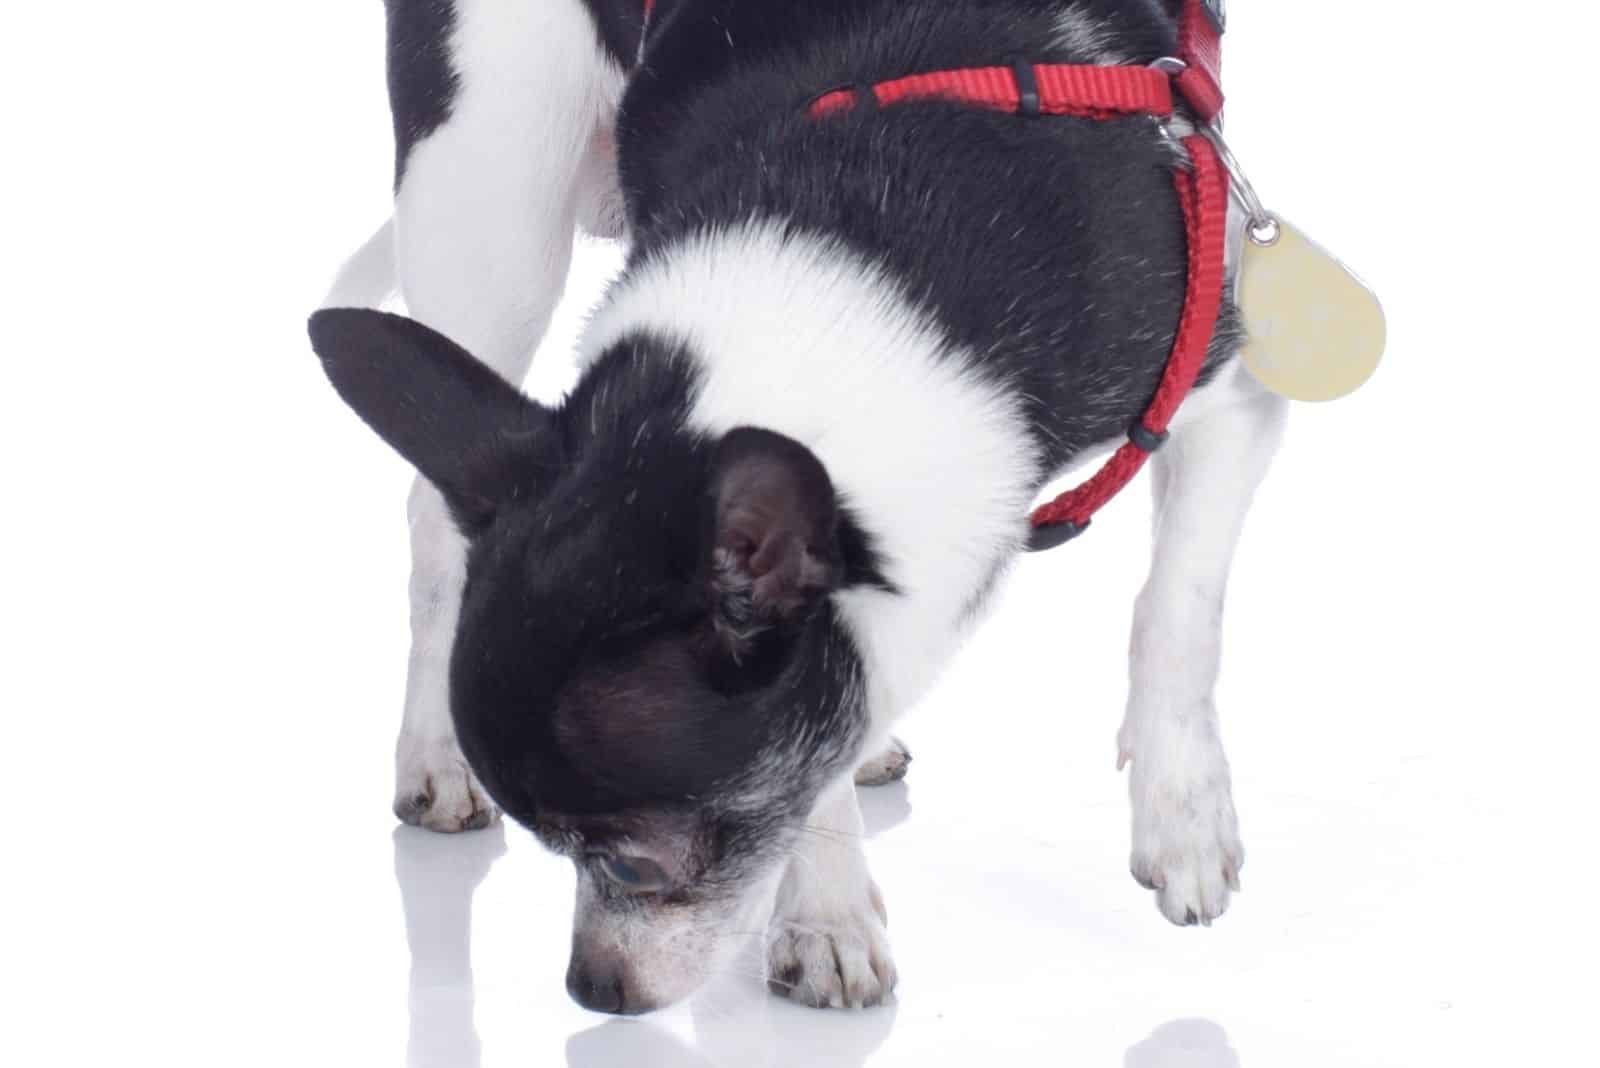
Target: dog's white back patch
x,y
801,336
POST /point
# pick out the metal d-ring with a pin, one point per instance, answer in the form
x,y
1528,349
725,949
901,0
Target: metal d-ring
x,y
1264,227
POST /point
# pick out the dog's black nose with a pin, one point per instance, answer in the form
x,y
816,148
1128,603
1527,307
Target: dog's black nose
x,y
600,986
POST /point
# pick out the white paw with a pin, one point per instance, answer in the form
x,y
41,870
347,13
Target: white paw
x,y
435,789
832,955
887,767
1186,836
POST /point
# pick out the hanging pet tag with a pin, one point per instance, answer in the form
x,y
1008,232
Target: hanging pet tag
x,y
1315,331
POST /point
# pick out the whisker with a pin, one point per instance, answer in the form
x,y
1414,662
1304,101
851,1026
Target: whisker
x,y
831,833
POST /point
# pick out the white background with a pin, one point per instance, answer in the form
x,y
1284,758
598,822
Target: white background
x,y
204,611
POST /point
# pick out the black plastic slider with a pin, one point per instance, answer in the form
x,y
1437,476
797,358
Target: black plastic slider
x,y
1147,439
1027,89
1053,535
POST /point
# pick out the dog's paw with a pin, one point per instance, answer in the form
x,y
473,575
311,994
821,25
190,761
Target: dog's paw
x,y
435,789
836,959
1186,844
887,767
840,960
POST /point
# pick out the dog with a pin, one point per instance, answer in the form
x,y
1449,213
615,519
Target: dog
x,y
665,625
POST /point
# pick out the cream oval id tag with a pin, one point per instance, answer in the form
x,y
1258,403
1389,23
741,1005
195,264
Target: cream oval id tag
x,y
1315,331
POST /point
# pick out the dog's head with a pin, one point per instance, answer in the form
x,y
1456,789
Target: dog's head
x,y
648,671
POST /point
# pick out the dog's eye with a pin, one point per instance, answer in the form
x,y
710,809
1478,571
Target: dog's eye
x,y
636,875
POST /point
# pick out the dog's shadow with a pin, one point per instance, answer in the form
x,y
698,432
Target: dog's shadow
x,y
1184,1044
437,875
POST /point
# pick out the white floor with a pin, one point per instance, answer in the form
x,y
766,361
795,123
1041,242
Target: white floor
x,y
204,625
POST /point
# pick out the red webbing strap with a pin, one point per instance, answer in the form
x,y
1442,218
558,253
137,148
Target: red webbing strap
x,y
1204,195
1089,92
1200,46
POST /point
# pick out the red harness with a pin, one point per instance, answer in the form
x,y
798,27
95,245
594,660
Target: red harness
x,y
1108,93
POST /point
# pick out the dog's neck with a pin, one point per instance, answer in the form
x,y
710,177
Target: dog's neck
x,y
799,335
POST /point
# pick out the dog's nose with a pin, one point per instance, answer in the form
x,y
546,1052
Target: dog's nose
x,y
601,985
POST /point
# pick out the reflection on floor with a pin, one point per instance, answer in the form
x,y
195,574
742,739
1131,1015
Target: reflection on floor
x,y
437,876
734,1022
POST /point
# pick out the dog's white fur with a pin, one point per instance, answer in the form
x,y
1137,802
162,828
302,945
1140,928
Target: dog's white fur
x,y
799,335
806,339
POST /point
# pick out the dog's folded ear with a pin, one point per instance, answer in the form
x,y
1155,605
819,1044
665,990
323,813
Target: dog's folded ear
x,y
775,547
464,428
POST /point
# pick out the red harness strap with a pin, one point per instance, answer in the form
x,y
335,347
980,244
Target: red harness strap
x,y
1089,92
1105,93
1200,31
1108,93
1204,195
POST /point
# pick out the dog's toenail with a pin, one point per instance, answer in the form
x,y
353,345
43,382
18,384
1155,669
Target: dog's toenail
x,y
1190,919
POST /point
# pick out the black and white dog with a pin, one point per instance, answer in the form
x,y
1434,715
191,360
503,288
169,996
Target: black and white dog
x,y
665,624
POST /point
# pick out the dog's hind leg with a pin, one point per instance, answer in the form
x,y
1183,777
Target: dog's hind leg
x,y
1185,833
499,109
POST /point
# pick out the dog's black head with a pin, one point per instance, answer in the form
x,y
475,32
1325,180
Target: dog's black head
x,y
648,671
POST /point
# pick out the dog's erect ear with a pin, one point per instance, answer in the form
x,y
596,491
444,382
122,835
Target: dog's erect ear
x,y
775,551
466,429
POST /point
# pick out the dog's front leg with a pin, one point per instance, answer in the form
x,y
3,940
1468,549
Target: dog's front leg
x,y
485,216
828,944
1185,833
